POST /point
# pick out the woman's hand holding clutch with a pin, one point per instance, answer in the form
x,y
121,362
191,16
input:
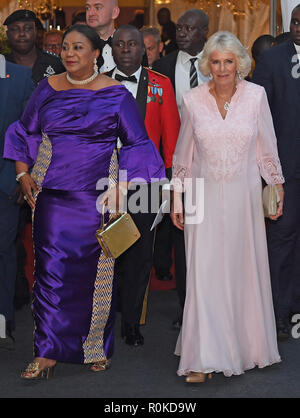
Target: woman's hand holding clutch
x,y
114,197
280,203
177,214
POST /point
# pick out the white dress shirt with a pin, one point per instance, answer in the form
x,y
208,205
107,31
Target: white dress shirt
x,y
132,87
109,62
182,75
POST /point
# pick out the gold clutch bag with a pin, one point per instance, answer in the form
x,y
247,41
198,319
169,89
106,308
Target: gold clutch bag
x,y
270,200
117,235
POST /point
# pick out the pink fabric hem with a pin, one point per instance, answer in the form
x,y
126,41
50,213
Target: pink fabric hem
x,y
229,373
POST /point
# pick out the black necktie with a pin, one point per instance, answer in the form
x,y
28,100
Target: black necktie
x,y
193,74
121,78
107,42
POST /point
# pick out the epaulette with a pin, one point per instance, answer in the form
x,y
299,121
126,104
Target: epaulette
x,y
155,72
51,53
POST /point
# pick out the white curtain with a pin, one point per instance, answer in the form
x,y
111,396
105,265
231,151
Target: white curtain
x,y
247,27
287,7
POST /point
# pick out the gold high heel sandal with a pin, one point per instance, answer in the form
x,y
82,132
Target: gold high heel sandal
x,y
101,366
195,377
33,372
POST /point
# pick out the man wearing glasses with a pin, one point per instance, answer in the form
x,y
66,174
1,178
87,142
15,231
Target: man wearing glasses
x,y
53,41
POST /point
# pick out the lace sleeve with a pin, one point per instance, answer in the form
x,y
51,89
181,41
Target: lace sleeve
x,y
184,152
270,170
267,153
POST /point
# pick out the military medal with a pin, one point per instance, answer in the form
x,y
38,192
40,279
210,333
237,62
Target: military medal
x,y
160,93
154,90
154,93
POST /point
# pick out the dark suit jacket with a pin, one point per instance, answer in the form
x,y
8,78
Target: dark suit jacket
x,y
278,71
167,66
15,90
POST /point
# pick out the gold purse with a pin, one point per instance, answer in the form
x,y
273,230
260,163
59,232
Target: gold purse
x,y
270,200
119,234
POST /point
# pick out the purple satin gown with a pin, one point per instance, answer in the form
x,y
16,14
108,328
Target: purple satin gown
x,y
69,140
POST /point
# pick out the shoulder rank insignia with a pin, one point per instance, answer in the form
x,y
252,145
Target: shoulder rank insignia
x,y
49,71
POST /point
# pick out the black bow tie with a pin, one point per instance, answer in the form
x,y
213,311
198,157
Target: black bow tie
x,y
107,42
121,78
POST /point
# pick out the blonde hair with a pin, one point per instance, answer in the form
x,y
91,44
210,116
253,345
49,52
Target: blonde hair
x,y
226,42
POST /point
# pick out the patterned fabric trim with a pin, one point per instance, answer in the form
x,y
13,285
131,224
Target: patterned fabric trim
x,y
38,174
93,346
43,161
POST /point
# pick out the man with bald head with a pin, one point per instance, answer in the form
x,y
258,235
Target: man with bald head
x,y
101,16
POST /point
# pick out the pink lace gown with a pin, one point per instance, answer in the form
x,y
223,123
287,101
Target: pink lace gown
x,y
228,323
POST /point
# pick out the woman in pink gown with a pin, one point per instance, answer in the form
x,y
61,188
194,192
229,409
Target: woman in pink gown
x,y
227,138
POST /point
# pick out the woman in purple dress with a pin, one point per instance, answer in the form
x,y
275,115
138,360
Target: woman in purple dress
x,y
63,145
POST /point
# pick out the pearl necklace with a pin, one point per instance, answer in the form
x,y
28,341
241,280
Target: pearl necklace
x,y
82,82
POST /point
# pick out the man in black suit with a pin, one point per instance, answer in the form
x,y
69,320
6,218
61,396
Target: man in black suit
x,y
156,99
278,71
182,69
16,87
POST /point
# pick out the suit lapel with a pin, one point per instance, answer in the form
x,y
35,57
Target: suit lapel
x,y
142,92
173,69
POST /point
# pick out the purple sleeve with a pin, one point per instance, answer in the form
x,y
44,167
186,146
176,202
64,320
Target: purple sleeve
x,y
23,137
138,156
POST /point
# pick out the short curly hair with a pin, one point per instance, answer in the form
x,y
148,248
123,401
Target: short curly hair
x,y
225,42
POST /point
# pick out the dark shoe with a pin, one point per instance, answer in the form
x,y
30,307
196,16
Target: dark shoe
x,y
164,277
283,332
177,323
7,343
132,335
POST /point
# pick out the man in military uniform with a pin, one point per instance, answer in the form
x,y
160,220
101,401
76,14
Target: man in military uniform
x,y
21,33
156,99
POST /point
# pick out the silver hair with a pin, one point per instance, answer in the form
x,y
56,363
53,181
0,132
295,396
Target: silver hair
x,y
224,41
151,30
